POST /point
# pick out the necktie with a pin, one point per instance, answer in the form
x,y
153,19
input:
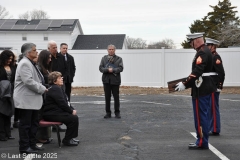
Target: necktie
x,y
65,57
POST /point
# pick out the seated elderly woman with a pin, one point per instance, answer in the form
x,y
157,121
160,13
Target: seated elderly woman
x,y
58,109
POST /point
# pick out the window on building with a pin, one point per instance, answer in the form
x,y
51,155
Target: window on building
x,y
45,37
24,37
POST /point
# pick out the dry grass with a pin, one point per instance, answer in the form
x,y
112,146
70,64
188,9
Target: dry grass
x,y
132,90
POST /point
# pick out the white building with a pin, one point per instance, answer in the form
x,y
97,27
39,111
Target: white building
x,y
15,32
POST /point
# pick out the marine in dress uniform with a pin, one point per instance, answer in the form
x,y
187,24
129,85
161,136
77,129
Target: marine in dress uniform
x,y
214,114
202,86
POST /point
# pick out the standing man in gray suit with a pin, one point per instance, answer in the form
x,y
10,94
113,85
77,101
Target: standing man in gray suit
x,y
27,97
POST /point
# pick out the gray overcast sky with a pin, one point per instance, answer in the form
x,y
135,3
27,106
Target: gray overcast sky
x,y
151,20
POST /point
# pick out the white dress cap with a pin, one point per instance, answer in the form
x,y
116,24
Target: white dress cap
x,y
192,36
212,41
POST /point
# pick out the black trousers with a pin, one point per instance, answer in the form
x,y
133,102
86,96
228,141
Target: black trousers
x,y
111,90
5,124
16,115
68,90
28,126
71,121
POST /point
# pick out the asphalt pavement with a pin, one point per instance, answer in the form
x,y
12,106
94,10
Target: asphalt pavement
x,y
152,127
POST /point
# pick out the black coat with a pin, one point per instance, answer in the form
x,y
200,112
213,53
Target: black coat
x,y
56,102
115,77
58,64
218,67
71,68
202,63
3,74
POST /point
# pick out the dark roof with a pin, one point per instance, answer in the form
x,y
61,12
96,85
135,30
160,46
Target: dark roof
x,y
5,48
37,24
99,41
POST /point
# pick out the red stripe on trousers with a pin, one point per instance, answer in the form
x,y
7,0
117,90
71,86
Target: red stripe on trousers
x,y
198,121
214,114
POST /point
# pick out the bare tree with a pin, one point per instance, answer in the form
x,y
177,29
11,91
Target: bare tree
x,y
39,14
155,45
136,43
229,35
24,16
34,14
4,13
167,43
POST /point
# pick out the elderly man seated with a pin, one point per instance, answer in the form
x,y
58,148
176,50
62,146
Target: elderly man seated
x,y
58,109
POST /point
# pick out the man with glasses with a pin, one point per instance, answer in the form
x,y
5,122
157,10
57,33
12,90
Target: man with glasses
x,y
202,86
28,99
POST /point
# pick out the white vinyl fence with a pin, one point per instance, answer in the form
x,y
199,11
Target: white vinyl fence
x,y
151,68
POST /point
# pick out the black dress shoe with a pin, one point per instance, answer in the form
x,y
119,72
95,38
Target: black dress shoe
x,y
11,137
3,139
194,146
29,150
59,128
107,116
47,141
75,140
37,148
69,142
117,116
213,134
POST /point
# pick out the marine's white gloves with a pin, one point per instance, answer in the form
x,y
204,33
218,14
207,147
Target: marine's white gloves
x,y
180,87
218,90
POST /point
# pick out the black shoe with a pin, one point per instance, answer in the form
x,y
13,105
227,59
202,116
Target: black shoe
x,y
213,134
15,124
107,116
117,115
37,148
29,150
59,128
195,147
3,139
75,140
47,141
69,142
11,137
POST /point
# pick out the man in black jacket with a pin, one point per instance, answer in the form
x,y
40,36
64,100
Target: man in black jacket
x,y
202,87
71,68
58,60
111,65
